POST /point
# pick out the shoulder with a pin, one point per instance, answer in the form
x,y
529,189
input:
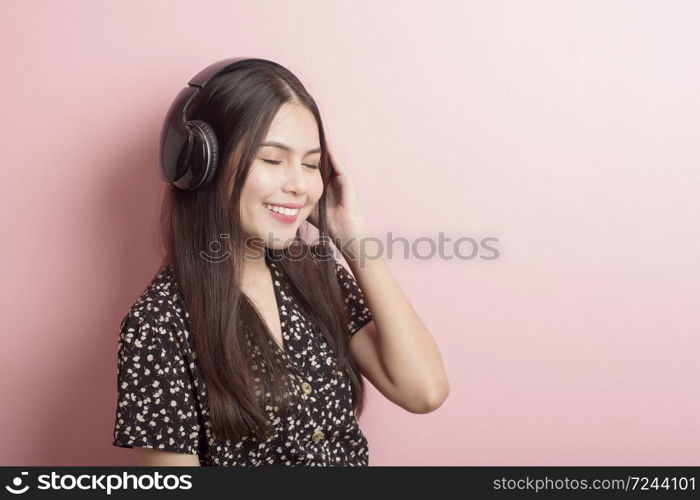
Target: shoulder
x,y
160,296
359,313
157,316
319,254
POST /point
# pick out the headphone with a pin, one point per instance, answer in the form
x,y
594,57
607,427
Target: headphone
x,y
189,150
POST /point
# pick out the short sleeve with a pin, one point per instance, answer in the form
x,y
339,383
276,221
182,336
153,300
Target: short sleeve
x,y
156,405
358,311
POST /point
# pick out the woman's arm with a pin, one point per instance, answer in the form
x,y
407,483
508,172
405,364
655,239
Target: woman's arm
x,y
163,458
395,352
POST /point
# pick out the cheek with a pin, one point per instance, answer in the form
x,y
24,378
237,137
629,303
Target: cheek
x,y
256,188
250,205
316,189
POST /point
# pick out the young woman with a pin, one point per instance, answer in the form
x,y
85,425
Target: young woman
x,y
249,345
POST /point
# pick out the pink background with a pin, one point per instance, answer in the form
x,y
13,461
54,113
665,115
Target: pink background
x,y
567,130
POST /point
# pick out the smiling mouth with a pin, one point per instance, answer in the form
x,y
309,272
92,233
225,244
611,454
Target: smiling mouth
x,y
289,212
282,214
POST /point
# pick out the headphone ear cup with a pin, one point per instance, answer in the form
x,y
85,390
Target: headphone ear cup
x,y
204,154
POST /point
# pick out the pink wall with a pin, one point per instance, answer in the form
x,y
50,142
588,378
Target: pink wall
x,y
567,130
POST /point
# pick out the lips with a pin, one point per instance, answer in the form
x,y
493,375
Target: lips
x,y
287,219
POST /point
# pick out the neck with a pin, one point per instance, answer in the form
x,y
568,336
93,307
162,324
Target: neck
x,y
254,264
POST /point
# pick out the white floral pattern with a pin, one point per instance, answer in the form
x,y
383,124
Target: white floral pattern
x,y
162,397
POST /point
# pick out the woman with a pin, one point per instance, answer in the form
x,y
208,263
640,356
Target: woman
x,y
249,345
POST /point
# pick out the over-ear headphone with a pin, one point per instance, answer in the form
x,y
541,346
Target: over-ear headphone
x,y
189,150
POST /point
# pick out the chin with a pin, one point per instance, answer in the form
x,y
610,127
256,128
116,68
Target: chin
x,y
281,240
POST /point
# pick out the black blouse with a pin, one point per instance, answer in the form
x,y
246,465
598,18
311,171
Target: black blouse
x,y
162,397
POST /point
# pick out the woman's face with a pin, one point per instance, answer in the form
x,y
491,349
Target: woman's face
x,y
285,173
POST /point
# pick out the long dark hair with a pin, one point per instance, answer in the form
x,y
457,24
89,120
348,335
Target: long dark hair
x,y
240,106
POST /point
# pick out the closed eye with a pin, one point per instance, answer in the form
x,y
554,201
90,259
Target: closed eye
x,y
277,162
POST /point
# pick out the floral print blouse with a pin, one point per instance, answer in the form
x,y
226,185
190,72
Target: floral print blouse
x,y
162,397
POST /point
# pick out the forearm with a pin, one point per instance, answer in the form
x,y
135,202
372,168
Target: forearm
x,y
408,351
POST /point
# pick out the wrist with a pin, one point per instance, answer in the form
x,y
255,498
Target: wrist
x,y
358,245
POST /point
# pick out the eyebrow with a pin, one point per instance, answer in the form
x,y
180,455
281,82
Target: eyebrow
x,y
287,148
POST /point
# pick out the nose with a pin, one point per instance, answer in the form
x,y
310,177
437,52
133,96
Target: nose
x,y
295,179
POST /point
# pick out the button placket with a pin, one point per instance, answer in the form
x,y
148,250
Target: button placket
x,y
289,316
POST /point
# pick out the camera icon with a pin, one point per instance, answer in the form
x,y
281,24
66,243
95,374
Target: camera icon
x,y
17,482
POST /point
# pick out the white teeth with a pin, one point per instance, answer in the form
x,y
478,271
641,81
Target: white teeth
x,y
282,210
